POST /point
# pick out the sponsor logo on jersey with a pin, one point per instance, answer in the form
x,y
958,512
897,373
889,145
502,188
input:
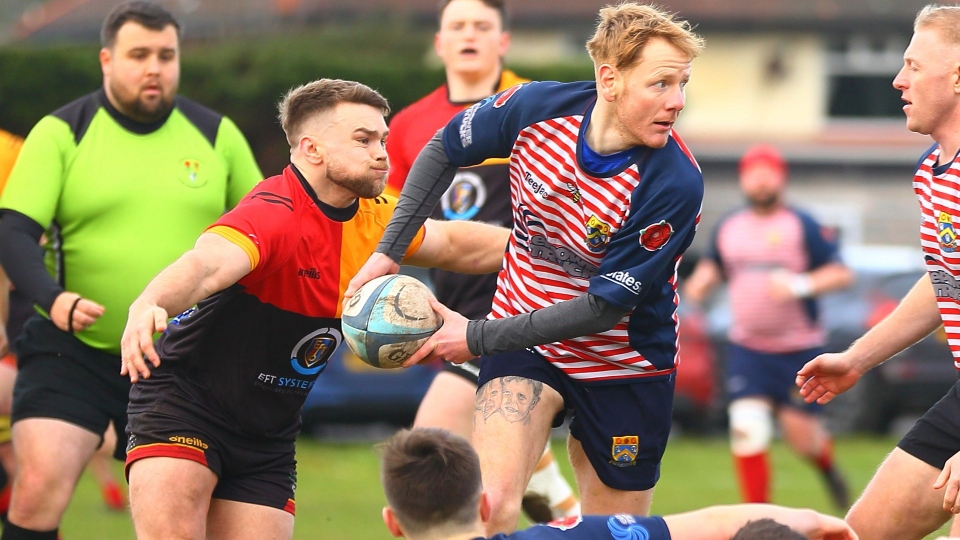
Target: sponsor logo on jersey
x,y
945,285
625,527
505,96
310,355
656,235
190,173
309,273
574,193
624,450
466,125
179,318
535,186
625,280
189,441
566,523
465,197
946,234
531,236
598,233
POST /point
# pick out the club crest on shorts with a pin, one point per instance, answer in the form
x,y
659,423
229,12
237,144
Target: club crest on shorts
x,y
946,234
655,236
624,450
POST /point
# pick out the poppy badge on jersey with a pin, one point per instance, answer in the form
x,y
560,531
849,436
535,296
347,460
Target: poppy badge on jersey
x,y
656,235
624,450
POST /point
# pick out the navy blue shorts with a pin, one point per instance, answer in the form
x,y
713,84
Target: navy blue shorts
x,y
753,373
622,426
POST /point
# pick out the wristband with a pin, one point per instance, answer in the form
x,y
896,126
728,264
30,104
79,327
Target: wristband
x,y
70,315
801,285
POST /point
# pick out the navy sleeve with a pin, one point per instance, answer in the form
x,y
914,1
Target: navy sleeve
x,y
618,527
665,209
821,243
489,128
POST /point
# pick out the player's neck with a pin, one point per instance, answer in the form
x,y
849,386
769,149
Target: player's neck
x,y
602,134
948,149
468,88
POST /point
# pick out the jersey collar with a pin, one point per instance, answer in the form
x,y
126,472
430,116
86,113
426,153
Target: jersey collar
x,y
128,123
332,212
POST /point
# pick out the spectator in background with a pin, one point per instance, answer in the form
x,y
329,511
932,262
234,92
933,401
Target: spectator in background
x,y
431,479
471,42
122,180
776,260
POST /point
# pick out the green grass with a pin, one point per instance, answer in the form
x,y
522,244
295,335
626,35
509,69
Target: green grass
x,y
339,495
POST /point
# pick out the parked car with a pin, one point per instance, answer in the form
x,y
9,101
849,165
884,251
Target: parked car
x,y
904,386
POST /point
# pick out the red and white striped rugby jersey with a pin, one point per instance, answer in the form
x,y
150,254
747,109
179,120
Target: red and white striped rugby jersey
x,y
938,190
619,236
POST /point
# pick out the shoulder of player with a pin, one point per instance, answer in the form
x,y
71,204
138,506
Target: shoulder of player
x,y
77,115
673,162
927,155
276,194
551,98
206,120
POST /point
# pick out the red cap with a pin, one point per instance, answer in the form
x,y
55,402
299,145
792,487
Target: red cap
x,y
762,153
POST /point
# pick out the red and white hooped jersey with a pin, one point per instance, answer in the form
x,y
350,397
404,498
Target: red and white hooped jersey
x,y
938,190
618,235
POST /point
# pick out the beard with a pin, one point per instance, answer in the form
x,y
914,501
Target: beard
x,y
764,201
140,110
365,186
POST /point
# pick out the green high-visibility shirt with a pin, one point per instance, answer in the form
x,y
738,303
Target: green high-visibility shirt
x,y
121,200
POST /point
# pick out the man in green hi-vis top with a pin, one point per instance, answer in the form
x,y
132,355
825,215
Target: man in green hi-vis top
x,y
122,181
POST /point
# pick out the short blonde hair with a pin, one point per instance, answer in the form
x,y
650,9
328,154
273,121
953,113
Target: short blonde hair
x,y
944,18
308,100
623,30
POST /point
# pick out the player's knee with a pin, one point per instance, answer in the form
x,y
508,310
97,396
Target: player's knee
x,y
751,427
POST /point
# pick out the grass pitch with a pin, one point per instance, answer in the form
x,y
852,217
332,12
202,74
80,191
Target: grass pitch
x,y
339,496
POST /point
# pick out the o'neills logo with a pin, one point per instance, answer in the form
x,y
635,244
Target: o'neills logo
x,y
189,441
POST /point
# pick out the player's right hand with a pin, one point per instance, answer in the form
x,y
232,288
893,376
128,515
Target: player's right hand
x,y
827,376
377,265
143,322
86,312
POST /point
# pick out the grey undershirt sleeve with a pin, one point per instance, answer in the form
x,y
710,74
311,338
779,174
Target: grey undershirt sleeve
x,y
430,176
581,316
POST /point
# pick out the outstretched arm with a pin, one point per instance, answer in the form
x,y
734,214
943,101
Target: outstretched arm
x,y
467,247
722,522
914,318
212,265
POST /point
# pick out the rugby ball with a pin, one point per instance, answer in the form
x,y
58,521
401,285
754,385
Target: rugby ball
x,y
387,320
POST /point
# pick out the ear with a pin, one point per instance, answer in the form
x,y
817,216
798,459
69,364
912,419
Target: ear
x,y
390,520
436,44
956,79
105,57
314,153
485,508
504,44
608,82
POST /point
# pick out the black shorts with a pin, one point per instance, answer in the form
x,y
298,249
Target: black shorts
x,y
622,426
469,370
166,420
63,378
935,437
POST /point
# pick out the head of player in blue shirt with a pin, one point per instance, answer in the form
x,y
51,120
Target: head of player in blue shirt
x,y
642,62
431,479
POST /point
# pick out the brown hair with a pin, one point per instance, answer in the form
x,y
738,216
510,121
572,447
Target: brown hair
x,y
499,5
766,529
623,30
146,14
306,101
944,18
431,478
